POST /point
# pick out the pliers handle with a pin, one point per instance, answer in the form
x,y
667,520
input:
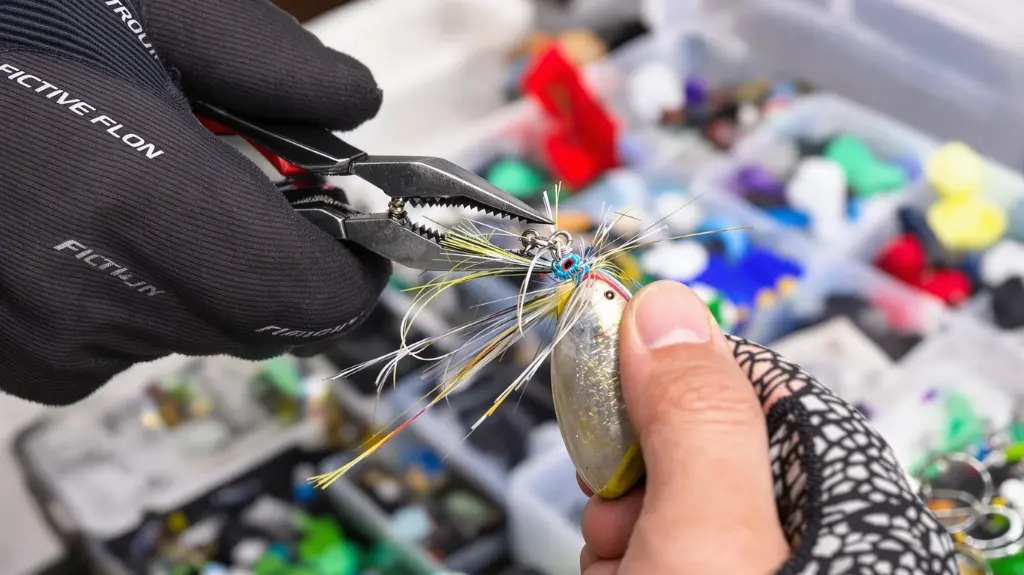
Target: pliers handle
x,y
305,155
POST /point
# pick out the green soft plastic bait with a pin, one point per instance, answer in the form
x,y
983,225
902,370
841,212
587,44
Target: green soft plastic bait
x,y
516,177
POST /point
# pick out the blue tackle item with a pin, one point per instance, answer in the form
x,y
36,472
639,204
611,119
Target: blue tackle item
x,y
424,459
735,242
696,90
782,90
729,280
768,269
304,492
916,224
982,450
909,165
970,265
570,267
281,550
789,217
854,208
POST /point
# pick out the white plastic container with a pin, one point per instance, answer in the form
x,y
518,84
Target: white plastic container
x,y
718,58
98,475
544,499
440,63
520,127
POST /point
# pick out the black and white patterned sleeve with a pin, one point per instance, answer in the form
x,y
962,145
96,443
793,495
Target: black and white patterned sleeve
x,y
843,499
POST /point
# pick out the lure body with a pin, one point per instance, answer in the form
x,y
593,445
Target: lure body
x,y
587,395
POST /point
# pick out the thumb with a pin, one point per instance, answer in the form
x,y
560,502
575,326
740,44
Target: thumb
x,y
704,441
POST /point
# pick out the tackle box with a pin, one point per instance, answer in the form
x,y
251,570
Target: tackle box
x,y
108,478
953,68
540,492
722,58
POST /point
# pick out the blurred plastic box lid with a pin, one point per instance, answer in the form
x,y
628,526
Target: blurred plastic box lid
x,y
981,39
440,63
954,68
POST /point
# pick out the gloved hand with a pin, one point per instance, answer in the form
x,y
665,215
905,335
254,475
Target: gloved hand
x,y
753,467
128,231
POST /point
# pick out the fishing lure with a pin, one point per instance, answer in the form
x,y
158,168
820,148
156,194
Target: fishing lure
x,y
583,293
836,482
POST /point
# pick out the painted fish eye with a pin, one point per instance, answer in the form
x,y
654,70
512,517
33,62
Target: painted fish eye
x,y
609,295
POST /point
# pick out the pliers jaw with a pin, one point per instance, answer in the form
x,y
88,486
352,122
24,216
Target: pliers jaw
x,y
395,237
304,155
430,181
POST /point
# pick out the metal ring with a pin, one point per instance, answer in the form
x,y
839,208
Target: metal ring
x,y
560,242
972,509
1008,543
565,236
529,238
975,502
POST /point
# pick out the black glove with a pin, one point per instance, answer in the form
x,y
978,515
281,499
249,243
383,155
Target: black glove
x,y
128,231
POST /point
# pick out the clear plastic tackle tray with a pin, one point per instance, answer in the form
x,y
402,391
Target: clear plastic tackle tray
x,y
759,38
819,116
1003,187
964,361
100,476
540,490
